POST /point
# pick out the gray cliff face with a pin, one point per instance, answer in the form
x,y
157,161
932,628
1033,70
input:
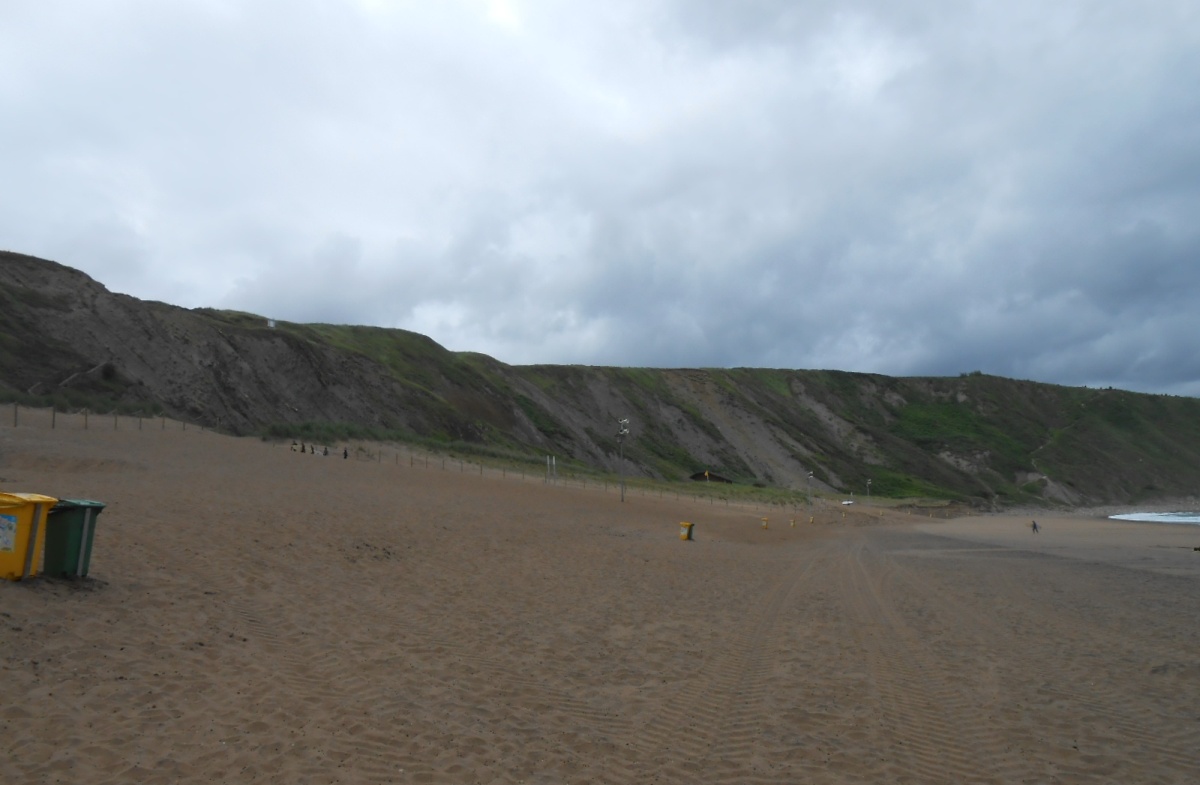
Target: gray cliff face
x,y
64,338
235,377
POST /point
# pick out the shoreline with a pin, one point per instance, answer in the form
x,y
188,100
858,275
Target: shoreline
x,y
1167,548
1102,511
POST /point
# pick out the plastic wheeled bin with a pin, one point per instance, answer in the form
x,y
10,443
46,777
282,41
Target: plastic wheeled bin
x,y
22,533
69,532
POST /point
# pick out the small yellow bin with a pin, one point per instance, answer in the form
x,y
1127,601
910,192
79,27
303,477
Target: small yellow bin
x,y
685,530
22,533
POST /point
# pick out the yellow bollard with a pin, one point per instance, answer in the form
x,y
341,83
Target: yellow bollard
x,y
811,518
685,530
793,523
764,520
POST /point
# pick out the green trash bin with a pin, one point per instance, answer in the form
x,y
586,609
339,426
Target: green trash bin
x,y
69,531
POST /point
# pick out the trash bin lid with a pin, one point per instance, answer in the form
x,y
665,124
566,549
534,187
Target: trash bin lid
x,y
9,500
27,498
70,504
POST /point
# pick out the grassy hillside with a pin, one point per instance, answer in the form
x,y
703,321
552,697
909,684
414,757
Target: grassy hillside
x,y
984,440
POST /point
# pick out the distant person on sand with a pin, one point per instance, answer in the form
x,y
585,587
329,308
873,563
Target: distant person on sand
x,y
345,453
326,453
1033,525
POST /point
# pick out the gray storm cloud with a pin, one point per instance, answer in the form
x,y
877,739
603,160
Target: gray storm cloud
x,y
899,188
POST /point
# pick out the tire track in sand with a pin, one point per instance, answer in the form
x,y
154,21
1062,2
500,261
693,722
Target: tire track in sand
x,y
710,727
1091,704
936,730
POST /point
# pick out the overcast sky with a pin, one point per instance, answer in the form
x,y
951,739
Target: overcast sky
x,y
908,188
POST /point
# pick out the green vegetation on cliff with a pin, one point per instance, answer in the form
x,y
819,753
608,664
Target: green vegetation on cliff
x,y
66,341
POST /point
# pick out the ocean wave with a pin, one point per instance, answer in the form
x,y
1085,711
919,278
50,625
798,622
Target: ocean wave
x,y
1159,517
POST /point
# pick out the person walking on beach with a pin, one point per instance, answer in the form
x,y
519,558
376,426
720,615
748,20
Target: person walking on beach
x,y
1033,525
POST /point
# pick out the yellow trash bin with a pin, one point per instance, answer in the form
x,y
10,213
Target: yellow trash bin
x,y
685,530
22,533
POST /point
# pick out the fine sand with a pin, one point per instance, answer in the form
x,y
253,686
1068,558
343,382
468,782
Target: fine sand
x,y
254,615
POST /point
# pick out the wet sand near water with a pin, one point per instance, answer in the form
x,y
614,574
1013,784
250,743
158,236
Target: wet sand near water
x,y
260,616
1168,548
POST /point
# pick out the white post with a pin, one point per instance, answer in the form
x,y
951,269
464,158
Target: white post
x,y
622,432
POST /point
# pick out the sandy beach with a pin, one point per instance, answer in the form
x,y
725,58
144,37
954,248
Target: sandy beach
x,y
254,615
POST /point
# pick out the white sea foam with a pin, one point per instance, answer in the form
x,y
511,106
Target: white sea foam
x,y
1160,517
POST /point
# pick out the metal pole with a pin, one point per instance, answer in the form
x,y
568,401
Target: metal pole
x,y
621,467
622,432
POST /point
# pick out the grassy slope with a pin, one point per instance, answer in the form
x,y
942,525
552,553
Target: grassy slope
x,y
1106,443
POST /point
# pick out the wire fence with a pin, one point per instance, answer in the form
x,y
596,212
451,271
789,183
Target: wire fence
x,y
382,453
412,457
87,419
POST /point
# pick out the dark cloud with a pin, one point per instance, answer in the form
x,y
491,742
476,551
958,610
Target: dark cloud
x,y
900,188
